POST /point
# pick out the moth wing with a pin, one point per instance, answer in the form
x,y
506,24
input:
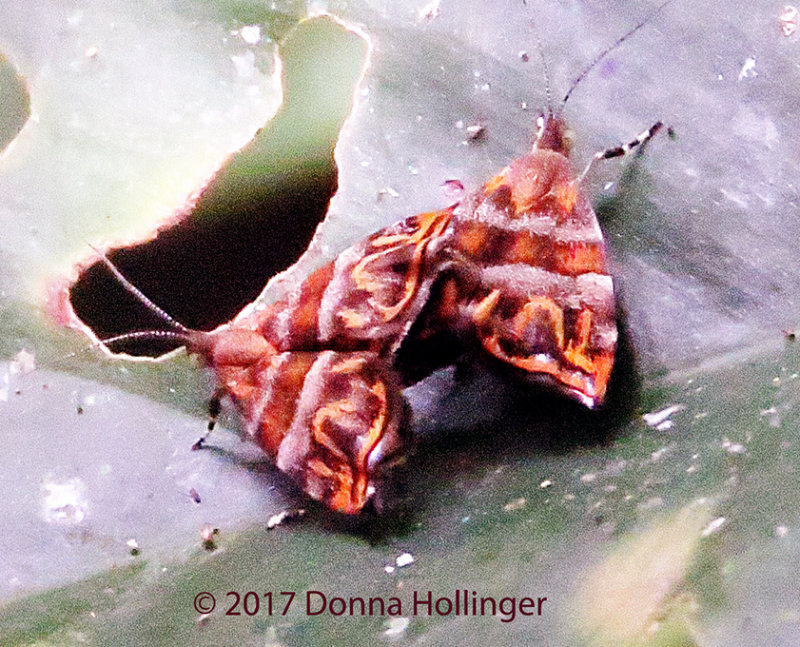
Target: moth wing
x,y
546,303
368,297
334,422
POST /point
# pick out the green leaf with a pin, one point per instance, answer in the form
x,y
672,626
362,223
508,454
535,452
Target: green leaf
x,y
512,494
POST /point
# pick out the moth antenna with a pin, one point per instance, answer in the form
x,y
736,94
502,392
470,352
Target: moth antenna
x,y
192,339
140,296
186,338
611,48
546,72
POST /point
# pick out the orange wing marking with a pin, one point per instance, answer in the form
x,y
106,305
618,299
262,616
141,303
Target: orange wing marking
x,y
495,183
574,350
483,310
348,497
431,225
342,476
532,309
332,411
349,365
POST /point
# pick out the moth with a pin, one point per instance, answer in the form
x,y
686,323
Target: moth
x,y
516,271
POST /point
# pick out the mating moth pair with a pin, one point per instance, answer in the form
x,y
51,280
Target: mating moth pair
x,y
516,271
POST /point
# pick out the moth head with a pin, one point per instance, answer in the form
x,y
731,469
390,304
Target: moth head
x,y
552,134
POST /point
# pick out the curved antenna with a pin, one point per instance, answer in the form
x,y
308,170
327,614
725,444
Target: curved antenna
x,y
140,296
611,48
190,339
546,70
186,338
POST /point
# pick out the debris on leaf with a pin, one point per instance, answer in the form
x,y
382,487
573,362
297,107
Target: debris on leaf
x,y
430,11
748,70
658,419
476,133
788,20
285,515
133,546
404,560
208,534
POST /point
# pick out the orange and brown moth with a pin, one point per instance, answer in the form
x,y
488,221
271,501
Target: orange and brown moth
x,y
516,271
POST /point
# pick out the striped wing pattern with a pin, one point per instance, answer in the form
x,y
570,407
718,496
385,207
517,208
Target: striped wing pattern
x,y
518,270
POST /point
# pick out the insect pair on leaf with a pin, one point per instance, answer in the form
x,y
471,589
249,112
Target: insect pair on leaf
x,y
516,271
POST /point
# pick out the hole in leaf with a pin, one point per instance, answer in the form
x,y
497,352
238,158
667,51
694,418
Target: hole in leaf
x,y
253,220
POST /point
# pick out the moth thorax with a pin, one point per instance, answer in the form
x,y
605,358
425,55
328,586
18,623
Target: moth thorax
x,y
541,181
236,347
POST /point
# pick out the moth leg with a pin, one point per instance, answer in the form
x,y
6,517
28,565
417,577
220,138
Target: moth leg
x,y
214,408
622,149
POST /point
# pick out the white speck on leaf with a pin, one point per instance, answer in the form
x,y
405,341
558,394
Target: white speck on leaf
x,y
251,34
733,448
396,626
713,527
404,560
748,70
655,418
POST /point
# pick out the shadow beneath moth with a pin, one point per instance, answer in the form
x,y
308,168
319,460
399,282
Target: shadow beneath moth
x,y
515,272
